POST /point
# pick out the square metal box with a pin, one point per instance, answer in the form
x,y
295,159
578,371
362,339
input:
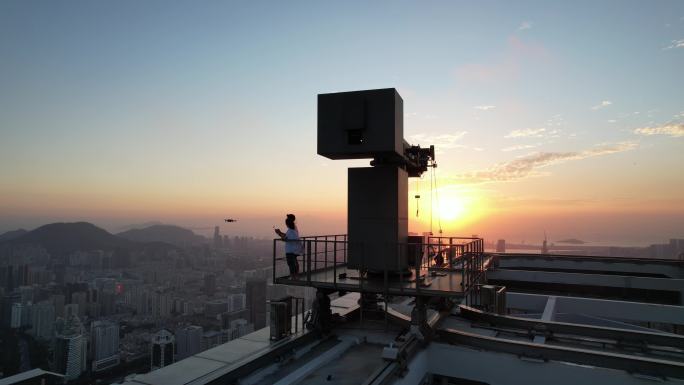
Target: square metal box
x,y
361,124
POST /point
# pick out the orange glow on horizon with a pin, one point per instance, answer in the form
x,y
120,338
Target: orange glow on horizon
x,y
453,208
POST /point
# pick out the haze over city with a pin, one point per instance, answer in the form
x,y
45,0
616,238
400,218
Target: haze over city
x,y
567,118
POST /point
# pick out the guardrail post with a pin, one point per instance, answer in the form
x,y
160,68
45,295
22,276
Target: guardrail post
x,y
386,283
274,260
451,251
417,276
316,252
345,248
308,261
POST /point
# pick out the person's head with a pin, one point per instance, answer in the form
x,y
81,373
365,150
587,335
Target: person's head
x,y
290,221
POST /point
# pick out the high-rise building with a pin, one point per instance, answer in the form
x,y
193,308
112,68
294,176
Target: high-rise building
x,y
211,339
81,299
161,304
104,342
188,341
215,307
69,355
58,300
70,349
27,294
256,302
7,302
218,241
239,328
70,310
501,246
43,320
19,315
209,284
107,303
238,302
163,349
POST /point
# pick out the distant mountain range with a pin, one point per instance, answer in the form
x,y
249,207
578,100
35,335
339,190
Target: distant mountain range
x,y
64,238
164,233
61,238
139,226
12,234
572,241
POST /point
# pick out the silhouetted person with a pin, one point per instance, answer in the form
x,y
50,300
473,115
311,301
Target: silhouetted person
x,y
293,246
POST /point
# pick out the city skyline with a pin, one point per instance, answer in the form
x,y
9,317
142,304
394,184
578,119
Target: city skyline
x,y
566,118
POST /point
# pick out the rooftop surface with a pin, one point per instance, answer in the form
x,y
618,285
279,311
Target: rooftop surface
x,y
579,333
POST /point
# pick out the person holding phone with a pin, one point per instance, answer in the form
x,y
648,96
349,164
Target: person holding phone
x,y
293,245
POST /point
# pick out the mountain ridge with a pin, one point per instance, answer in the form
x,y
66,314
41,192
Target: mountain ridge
x,y
171,234
62,238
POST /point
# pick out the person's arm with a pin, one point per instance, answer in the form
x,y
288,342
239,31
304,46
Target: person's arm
x,y
282,235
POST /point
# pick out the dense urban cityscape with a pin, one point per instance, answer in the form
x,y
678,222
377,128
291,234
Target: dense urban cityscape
x,y
101,311
94,306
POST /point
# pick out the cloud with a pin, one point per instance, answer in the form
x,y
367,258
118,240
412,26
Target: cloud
x,y
440,141
526,133
525,25
520,147
529,165
603,104
675,44
675,130
556,120
484,108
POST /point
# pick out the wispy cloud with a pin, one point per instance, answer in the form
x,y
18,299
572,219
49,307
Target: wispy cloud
x,y
525,25
556,120
675,130
520,147
441,141
526,133
675,44
603,104
529,165
484,108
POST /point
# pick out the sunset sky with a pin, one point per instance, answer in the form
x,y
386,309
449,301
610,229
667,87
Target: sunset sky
x,y
565,117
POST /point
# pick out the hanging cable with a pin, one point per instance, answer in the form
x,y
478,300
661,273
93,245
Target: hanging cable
x,y
417,197
431,207
439,214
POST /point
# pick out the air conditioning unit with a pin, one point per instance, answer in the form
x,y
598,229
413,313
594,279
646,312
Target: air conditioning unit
x,y
493,298
281,318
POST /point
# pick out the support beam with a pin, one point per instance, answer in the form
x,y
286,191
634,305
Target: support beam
x,y
549,310
623,310
671,269
615,283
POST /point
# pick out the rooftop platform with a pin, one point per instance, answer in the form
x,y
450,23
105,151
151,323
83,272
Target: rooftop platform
x,y
441,267
446,283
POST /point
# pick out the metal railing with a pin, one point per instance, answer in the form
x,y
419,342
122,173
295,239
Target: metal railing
x,y
329,254
319,252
